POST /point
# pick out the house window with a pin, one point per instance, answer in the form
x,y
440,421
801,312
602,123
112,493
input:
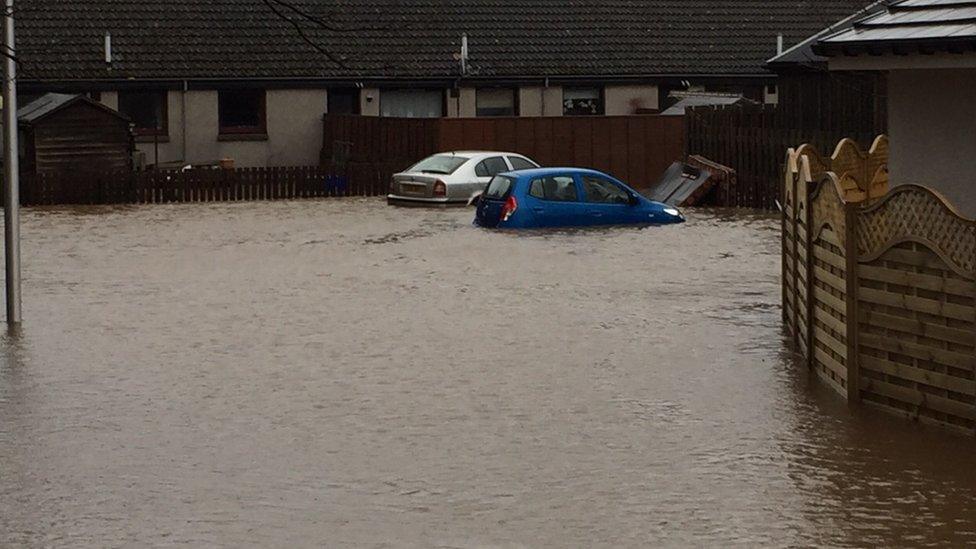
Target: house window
x,y
495,102
412,103
241,112
343,101
146,111
582,101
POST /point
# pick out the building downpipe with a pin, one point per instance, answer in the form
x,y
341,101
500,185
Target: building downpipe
x,y
183,120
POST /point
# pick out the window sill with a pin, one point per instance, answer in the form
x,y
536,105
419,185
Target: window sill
x,y
242,137
152,138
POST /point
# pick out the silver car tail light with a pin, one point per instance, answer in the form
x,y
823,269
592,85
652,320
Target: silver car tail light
x,y
440,188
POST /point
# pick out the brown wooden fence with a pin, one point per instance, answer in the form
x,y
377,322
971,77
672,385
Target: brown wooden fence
x,y
636,149
879,290
752,139
197,185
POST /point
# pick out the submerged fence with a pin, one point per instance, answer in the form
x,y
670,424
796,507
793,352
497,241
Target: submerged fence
x,y
637,149
196,185
879,287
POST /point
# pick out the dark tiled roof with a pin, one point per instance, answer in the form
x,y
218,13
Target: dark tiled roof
x,y
215,39
802,54
927,24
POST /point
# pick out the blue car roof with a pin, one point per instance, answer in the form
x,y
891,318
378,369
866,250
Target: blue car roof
x,y
543,172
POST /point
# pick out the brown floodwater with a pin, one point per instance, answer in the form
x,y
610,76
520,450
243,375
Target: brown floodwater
x,y
340,373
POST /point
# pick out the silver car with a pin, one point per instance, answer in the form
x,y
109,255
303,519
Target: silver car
x,y
452,177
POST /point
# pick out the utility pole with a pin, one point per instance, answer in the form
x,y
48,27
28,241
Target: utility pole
x,y
11,169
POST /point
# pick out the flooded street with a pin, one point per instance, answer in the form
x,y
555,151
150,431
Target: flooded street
x,y
340,373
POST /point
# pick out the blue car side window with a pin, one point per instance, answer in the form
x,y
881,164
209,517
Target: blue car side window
x,y
603,191
559,188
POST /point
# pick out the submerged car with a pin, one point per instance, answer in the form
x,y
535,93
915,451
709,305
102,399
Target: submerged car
x,y
452,177
566,197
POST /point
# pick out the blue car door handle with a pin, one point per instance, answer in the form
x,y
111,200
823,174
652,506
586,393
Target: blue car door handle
x,y
597,213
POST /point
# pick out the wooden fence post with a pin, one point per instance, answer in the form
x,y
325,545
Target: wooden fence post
x,y
803,182
795,259
787,259
851,315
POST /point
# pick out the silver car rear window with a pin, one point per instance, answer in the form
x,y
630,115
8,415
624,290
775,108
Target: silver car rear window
x,y
439,163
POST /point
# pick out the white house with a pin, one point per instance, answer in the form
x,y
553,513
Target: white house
x,y
928,50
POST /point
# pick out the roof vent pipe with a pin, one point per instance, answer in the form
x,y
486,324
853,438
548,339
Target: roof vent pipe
x,y
779,44
464,54
108,48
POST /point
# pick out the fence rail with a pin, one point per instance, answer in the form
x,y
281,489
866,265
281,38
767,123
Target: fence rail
x,y
196,185
879,288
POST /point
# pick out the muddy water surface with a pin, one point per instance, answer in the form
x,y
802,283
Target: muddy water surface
x,y
339,373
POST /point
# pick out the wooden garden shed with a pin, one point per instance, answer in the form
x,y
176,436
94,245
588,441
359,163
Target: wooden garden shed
x,y
60,132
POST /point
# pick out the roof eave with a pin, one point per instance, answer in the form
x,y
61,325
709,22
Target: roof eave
x,y
924,46
197,83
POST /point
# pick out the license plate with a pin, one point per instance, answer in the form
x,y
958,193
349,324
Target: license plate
x,y
413,188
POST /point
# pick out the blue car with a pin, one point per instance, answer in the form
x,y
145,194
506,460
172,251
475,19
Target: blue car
x,y
566,197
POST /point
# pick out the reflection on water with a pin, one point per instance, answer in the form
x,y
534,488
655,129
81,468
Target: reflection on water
x,y
342,373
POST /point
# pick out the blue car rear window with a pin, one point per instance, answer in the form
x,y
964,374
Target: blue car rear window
x,y
499,187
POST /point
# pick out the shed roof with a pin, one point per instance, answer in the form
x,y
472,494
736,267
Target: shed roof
x,y
50,103
63,40
42,106
907,26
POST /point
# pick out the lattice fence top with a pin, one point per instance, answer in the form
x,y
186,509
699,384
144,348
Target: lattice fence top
x,y
915,213
906,213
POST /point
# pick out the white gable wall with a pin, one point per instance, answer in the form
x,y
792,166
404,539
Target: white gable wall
x,y
931,120
932,128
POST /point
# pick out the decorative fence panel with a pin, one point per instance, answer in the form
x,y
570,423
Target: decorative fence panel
x,y
915,307
196,185
828,289
892,282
